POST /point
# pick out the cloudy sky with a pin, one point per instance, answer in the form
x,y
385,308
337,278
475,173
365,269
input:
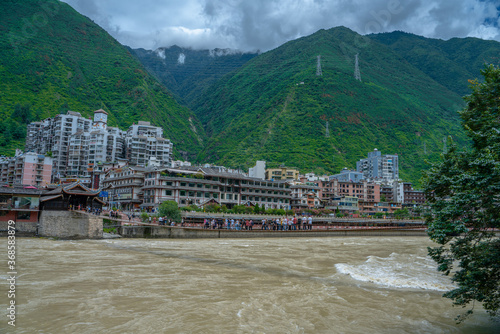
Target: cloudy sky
x,y
251,25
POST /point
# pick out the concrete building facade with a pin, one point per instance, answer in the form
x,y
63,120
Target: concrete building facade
x,y
26,169
379,167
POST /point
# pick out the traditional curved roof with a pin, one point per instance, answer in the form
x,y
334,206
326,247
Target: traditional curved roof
x,y
75,188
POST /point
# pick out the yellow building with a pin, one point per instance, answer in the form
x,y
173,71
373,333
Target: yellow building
x,y
282,173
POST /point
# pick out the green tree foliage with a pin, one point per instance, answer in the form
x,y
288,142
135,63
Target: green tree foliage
x,y
170,210
401,213
52,59
464,194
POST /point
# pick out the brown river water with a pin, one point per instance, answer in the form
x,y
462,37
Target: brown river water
x,y
281,285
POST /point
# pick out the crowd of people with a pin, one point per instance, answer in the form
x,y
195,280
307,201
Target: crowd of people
x,y
279,224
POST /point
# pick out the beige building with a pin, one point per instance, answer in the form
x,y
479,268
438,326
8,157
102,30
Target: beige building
x,y
199,185
282,173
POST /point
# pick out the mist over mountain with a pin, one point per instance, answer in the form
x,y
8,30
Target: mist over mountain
x,y
187,72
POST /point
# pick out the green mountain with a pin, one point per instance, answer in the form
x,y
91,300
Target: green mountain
x,y
451,63
54,59
187,72
277,108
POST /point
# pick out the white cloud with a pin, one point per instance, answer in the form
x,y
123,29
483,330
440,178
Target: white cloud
x,y
266,24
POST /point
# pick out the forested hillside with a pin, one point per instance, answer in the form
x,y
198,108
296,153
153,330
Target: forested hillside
x,y
53,60
186,72
277,108
451,63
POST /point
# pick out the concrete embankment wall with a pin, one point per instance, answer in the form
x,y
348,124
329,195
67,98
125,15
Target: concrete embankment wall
x,y
69,225
23,229
191,233
58,224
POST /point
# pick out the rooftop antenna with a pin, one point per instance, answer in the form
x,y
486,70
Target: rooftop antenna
x,y
318,67
357,74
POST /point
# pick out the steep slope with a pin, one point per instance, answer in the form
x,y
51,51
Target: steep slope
x,y
54,59
278,109
451,62
187,72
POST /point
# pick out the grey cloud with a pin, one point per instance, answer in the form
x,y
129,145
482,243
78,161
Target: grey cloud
x,y
266,24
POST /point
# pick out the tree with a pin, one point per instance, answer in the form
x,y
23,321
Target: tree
x,y
256,209
464,194
170,210
401,213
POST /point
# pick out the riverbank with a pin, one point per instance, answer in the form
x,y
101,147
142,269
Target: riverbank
x,y
174,232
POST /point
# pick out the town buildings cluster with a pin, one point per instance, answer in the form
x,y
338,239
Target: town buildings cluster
x,y
79,145
133,170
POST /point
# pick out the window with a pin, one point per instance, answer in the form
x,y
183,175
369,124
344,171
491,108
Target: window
x,y
23,215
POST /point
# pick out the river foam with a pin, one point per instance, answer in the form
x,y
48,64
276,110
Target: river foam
x,y
398,271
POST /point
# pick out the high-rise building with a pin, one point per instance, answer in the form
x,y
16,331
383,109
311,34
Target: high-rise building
x,y
77,145
145,141
379,167
52,136
26,168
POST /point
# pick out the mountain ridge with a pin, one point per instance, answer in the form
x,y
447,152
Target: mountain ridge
x,y
278,97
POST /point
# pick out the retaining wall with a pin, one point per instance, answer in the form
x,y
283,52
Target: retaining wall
x,y
193,233
69,225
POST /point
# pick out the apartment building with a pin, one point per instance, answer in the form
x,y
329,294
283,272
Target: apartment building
x,y
282,173
78,145
26,169
144,141
378,167
124,187
200,185
53,137
402,192
363,190
305,196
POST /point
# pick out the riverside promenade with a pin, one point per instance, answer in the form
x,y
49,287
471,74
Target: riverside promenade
x,y
192,227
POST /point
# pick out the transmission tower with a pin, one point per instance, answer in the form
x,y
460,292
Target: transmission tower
x,y
318,67
357,74
425,148
444,145
327,132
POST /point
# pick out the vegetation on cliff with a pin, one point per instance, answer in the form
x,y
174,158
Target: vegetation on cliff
x,y
277,108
